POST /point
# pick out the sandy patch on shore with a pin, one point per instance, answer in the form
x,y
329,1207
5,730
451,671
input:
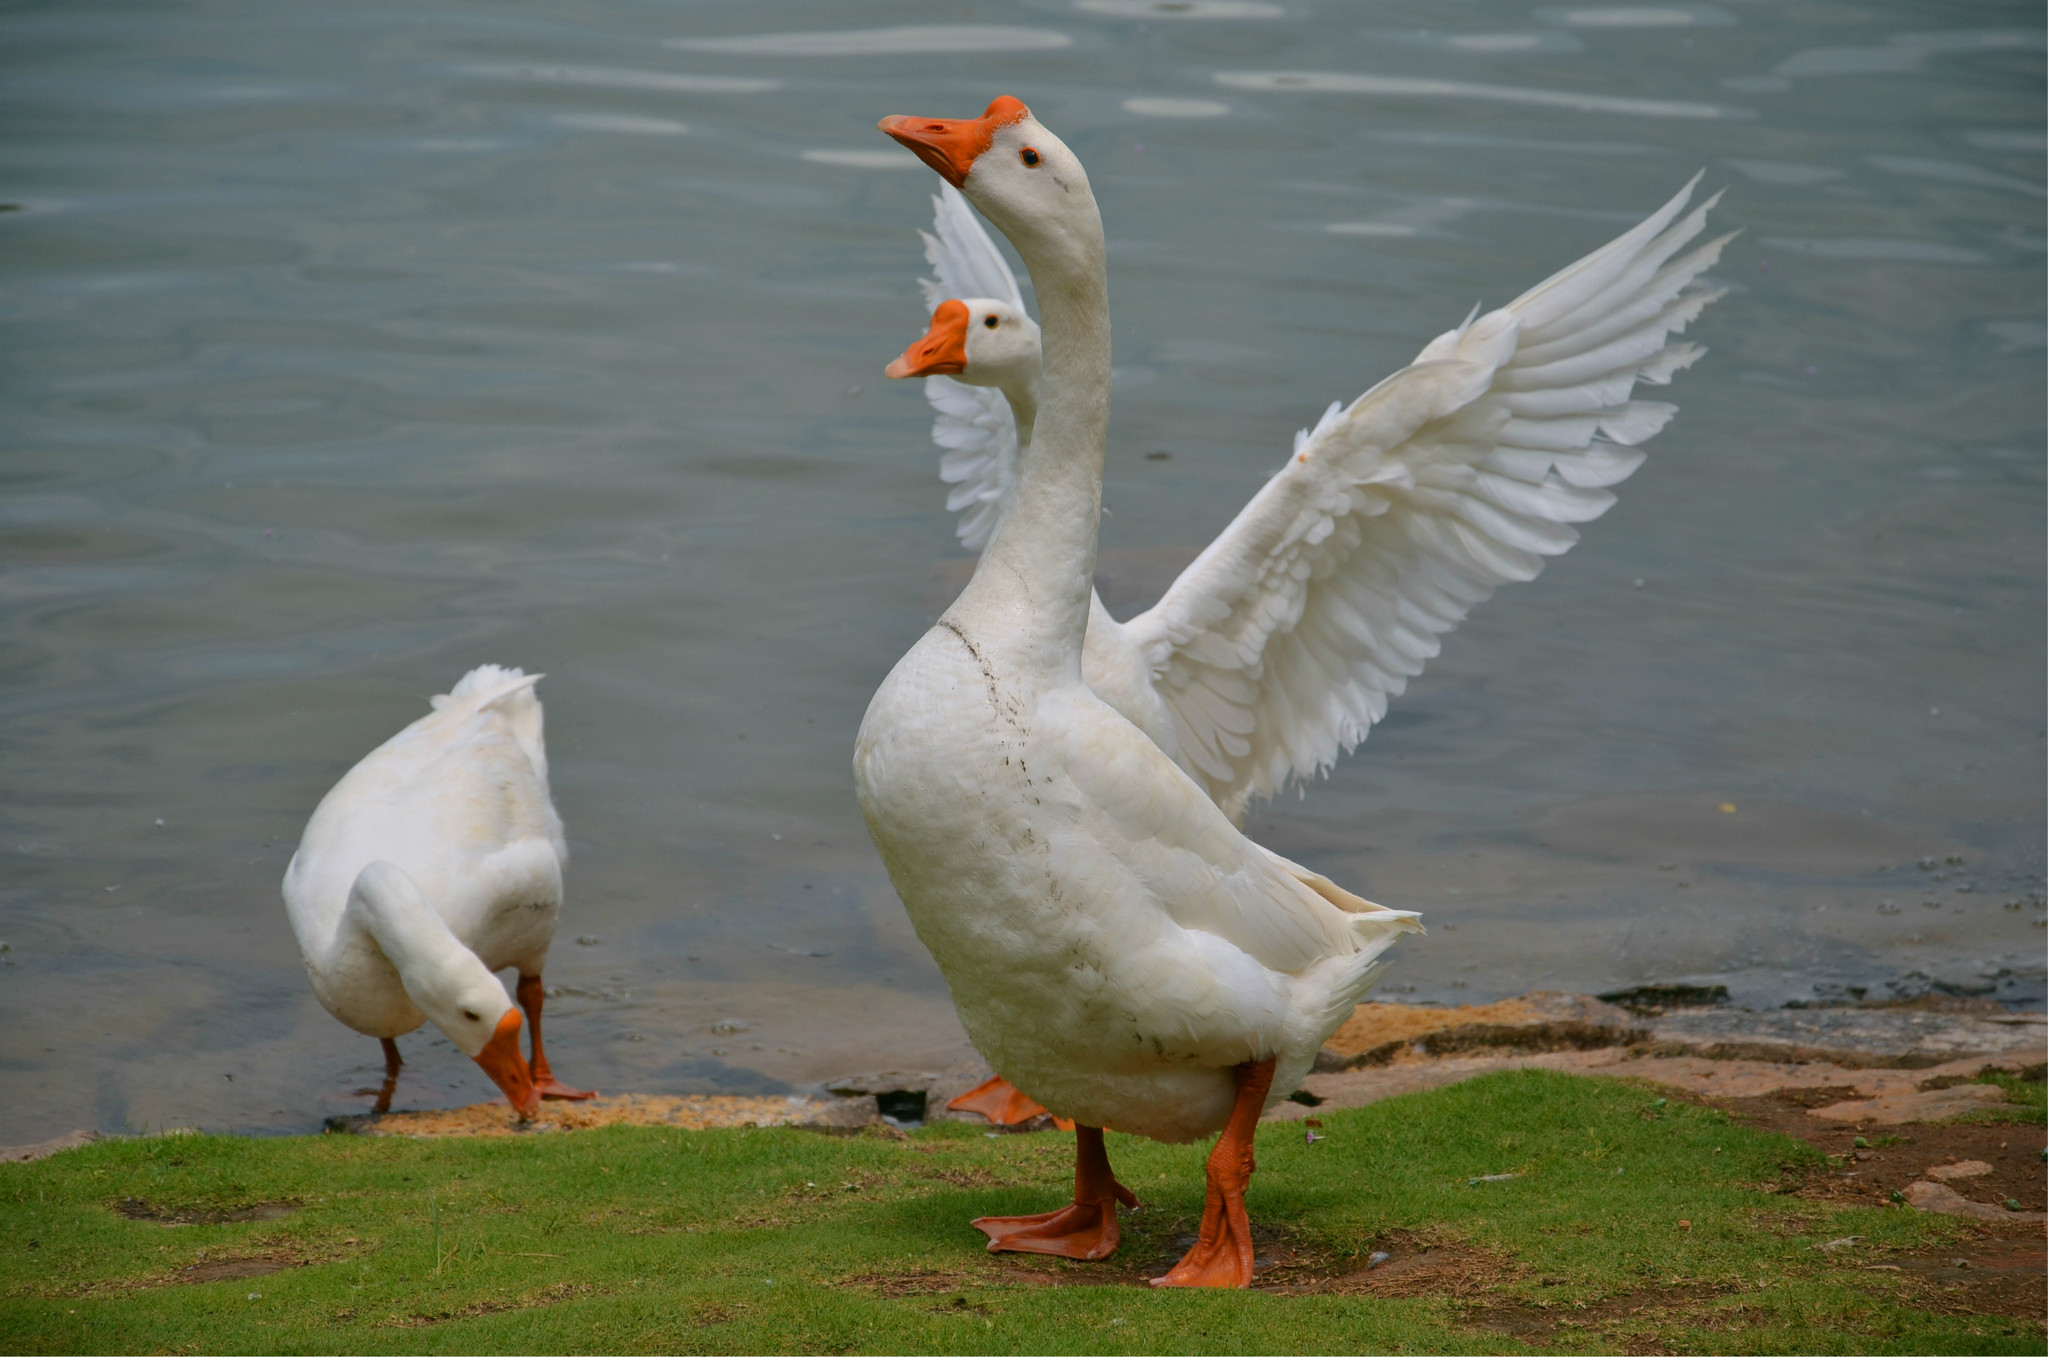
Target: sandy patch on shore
x,y
693,1113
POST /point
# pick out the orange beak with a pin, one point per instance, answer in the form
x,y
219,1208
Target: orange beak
x,y
943,350
951,145
508,1069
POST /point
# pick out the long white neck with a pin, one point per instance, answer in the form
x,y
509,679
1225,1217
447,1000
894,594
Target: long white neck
x,y
1028,600
438,972
1022,394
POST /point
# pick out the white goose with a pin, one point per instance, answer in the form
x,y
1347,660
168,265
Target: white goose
x,y
434,862
1278,649
1114,946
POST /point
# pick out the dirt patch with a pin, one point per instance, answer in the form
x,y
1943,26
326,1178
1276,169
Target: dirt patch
x,y
1893,1157
896,1285
137,1208
533,1300
1982,1275
236,1269
1618,1320
1414,1265
1819,1095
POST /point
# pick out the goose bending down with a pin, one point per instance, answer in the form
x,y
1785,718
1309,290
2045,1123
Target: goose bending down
x,y
1279,647
433,863
1114,946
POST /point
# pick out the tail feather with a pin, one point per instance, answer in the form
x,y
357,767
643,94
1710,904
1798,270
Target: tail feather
x,y
485,685
1324,1000
510,691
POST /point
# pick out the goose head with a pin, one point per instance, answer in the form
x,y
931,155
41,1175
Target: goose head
x,y
450,983
1021,176
474,1013
977,340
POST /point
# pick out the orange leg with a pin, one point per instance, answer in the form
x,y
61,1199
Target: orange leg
x,y
1222,1255
530,995
1087,1229
391,1066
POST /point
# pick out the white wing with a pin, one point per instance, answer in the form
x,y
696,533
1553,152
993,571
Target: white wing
x,y
979,434
1278,648
965,262
974,423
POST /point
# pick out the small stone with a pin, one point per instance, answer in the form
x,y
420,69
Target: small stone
x,y
589,940
1968,1168
1947,1201
1376,1258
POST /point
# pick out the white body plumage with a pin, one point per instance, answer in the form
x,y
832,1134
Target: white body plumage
x,y
434,862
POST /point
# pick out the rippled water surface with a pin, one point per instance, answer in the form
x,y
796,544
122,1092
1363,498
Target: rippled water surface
x,y
349,346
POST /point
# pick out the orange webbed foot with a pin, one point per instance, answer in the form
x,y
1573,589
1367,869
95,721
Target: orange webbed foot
x,y
999,1100
552,1087
1087,1229
1222,1255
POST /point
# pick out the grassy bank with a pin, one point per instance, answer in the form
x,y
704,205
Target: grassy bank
x,y
1635,1223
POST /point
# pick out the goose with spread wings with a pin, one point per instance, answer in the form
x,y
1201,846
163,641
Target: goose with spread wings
x,y
1393,517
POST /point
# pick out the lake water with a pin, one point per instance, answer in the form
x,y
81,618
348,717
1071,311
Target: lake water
x,y
349,346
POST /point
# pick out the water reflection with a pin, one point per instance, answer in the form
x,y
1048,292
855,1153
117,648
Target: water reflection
x,y
907,40
620,78
1406,87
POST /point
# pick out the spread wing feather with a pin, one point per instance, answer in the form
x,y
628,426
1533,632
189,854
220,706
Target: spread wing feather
x,y
974,424
1278,649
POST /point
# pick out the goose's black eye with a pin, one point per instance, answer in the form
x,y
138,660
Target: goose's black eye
x,y
990,322
469,1015
1029,157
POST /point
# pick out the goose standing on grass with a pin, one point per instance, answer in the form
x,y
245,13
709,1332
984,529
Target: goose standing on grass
x,y
1278,649
433,863
1114,946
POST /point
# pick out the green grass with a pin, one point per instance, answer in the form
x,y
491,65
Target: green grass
x,y
2026,1098
636,1239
